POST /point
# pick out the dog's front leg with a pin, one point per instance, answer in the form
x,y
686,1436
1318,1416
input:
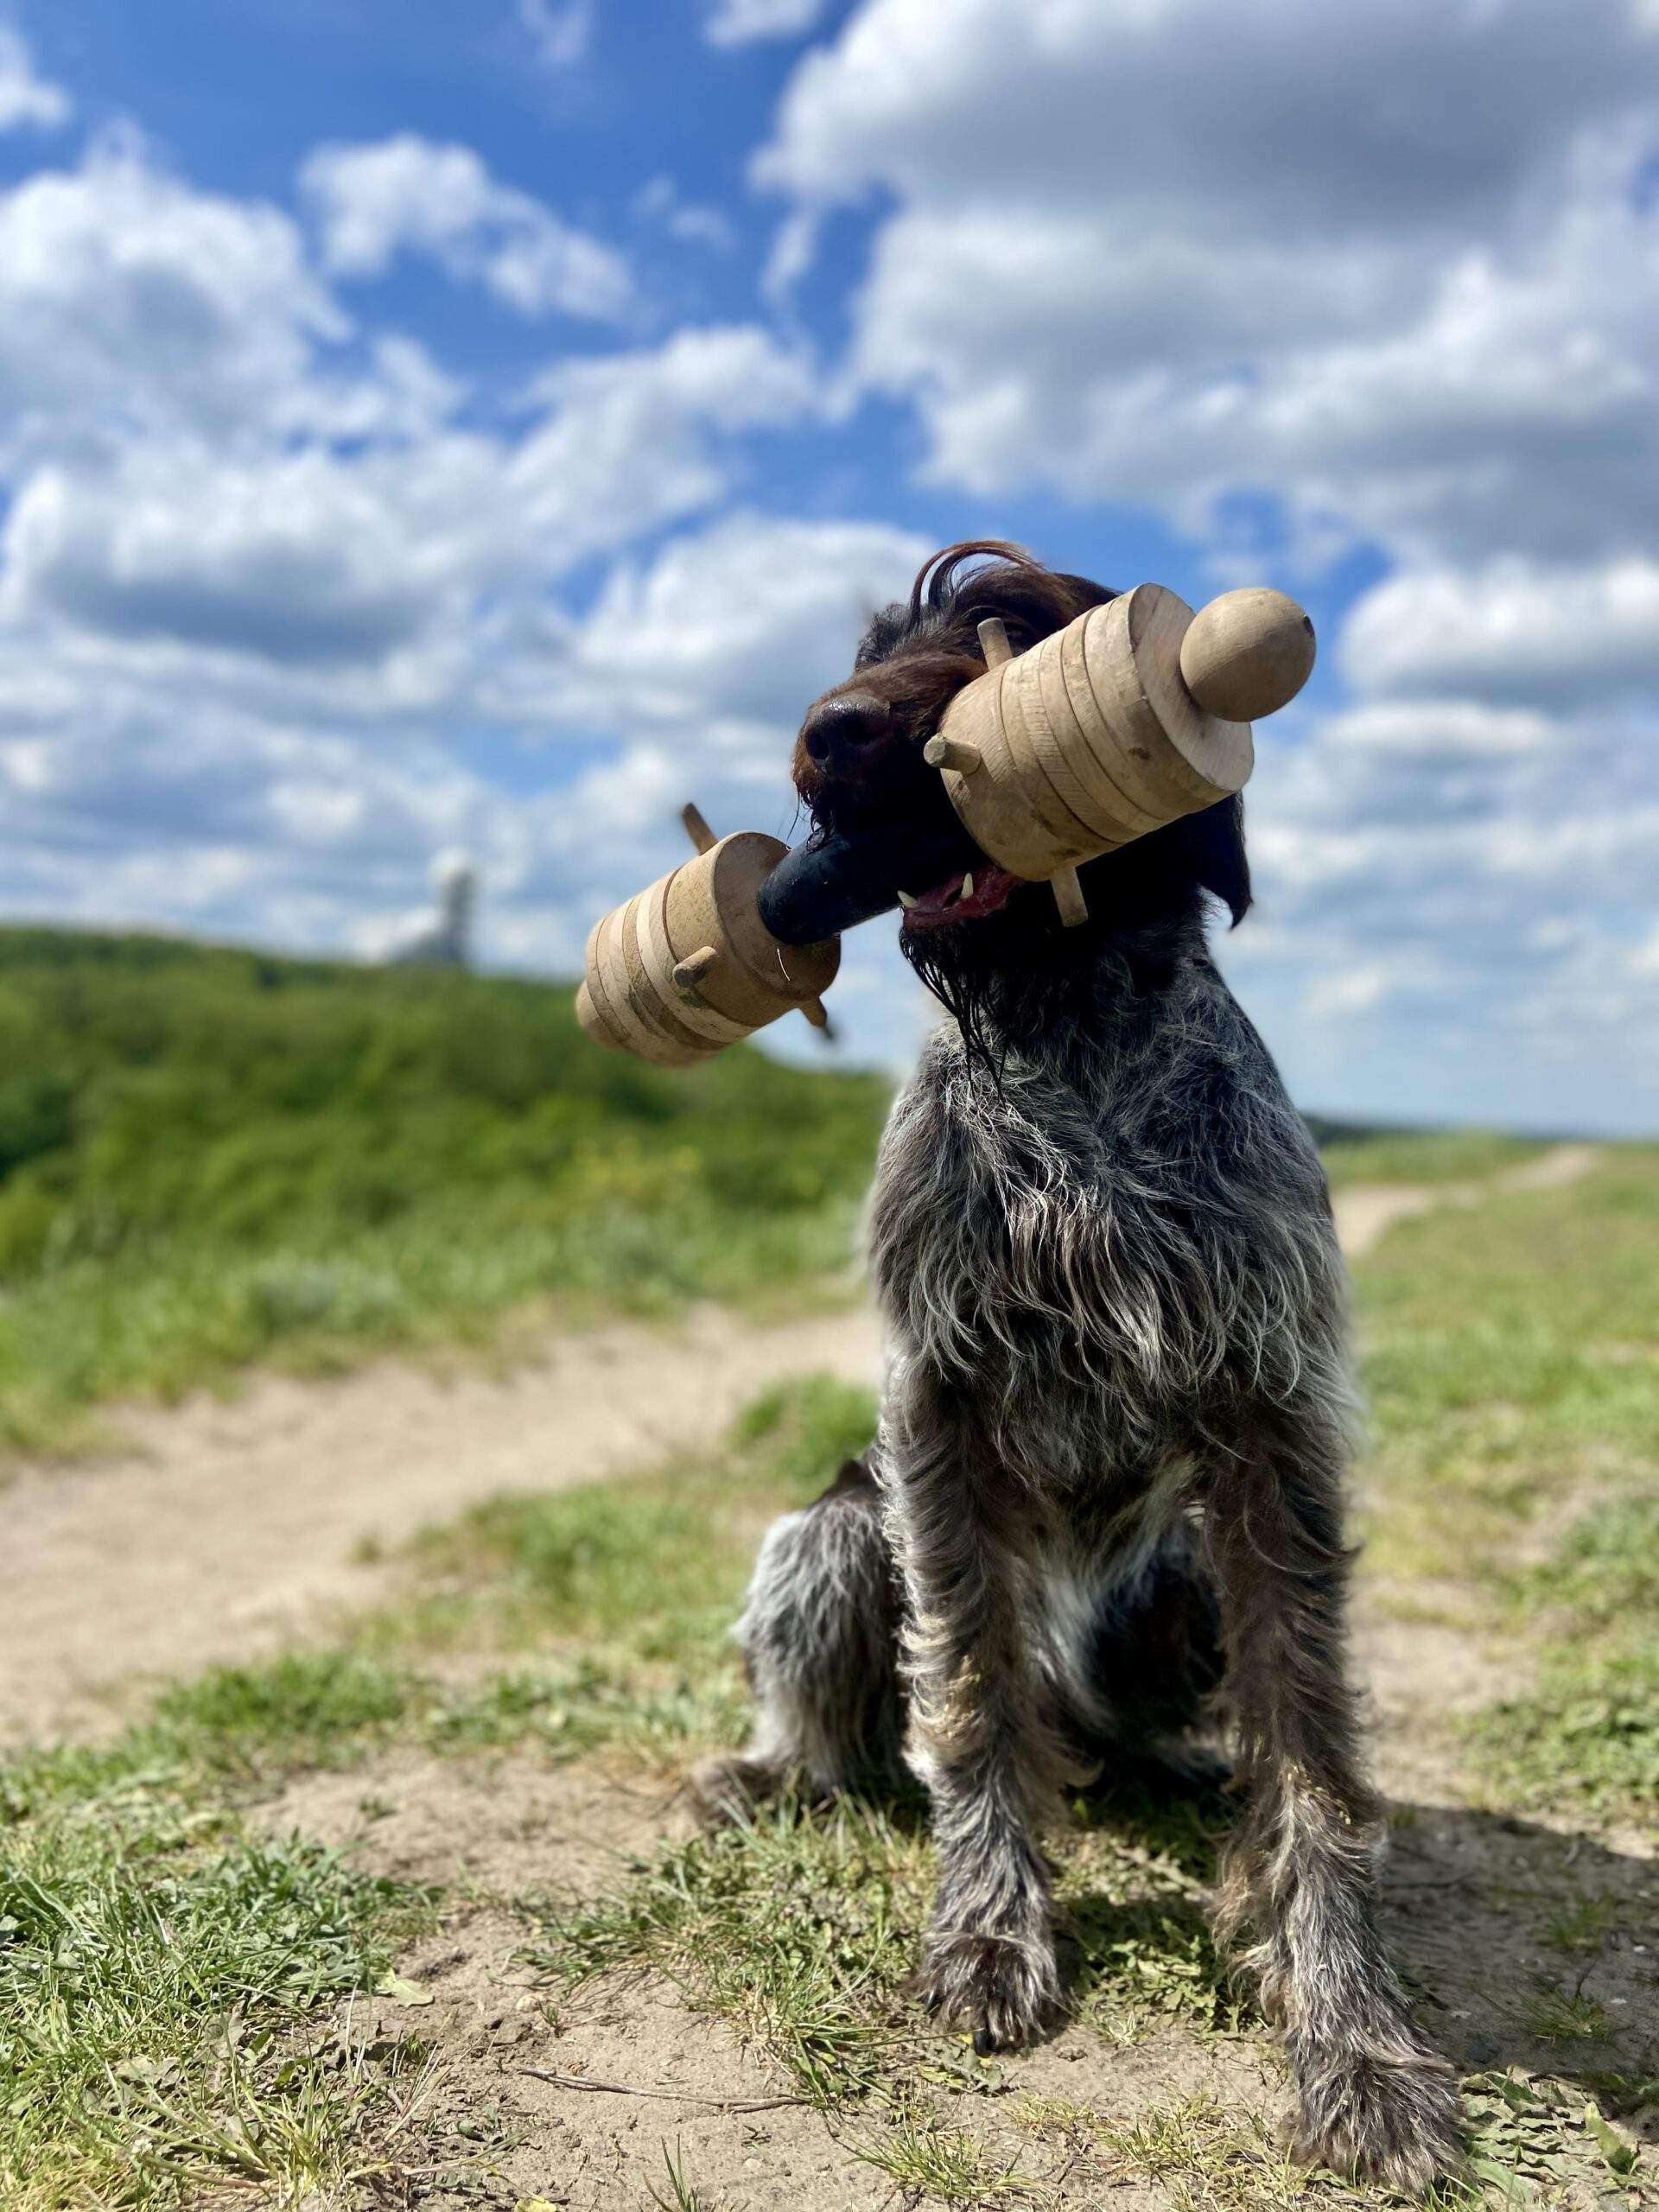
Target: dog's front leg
x,y
1301,1867
977,1737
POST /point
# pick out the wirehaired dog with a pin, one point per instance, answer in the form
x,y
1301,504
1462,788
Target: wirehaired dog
x,y
1106,1489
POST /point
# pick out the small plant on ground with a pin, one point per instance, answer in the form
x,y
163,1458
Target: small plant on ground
x,y
681,2195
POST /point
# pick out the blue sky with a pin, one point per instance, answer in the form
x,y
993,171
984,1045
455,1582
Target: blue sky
x,y
428,430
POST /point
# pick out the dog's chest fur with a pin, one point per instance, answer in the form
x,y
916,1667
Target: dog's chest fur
x,y
1113,1246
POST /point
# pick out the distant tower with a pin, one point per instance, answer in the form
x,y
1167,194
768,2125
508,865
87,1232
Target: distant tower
x,y
444,938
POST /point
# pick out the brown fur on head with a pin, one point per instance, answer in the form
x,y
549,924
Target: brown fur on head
x,y
862,735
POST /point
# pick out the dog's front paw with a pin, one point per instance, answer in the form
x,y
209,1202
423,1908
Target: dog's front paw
x,y
1394,2119
1004,1989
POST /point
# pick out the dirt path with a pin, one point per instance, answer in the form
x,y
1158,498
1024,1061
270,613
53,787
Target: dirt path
x,y
227,1527
1366,1211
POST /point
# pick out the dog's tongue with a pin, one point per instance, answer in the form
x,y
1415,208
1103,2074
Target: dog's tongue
x,y
966,898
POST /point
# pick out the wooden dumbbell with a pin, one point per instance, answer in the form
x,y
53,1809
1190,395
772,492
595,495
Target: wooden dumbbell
x,y
688,967
1133,715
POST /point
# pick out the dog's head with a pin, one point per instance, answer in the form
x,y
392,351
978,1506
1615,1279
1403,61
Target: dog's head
x,y
858,766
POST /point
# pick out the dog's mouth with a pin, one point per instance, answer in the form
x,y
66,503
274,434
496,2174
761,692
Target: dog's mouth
x,y
966,898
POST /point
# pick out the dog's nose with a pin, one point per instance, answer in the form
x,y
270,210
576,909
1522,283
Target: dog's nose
x,y
839,729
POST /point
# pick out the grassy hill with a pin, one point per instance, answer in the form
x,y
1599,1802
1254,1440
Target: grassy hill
x,y
210,1155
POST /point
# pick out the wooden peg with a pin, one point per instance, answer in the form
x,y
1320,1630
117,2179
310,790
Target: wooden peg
x,y
696,829
952,752
813,1009
993,641
1067,897
690,971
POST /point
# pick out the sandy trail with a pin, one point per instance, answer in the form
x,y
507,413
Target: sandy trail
x,y
225,1530
1366,1211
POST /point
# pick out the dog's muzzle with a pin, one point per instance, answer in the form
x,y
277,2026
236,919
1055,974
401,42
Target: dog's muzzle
x,y
839,878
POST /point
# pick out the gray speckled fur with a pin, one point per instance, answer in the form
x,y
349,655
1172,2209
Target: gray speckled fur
x,y
1117,1409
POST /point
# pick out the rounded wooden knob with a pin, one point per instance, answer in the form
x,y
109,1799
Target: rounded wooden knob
x,y
1247,654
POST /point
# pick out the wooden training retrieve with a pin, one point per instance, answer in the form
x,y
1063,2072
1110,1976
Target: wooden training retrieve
x,y
688,966
1133,715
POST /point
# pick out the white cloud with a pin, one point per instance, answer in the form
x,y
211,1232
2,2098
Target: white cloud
x,y
280,594
25,99
406,194
134,788
1513,628
749,619
297,559
559,33
1304,279
693,222
740,22
1387,265
1439,879
1432,405
1389,120
408,577
143,809
130,302
628,442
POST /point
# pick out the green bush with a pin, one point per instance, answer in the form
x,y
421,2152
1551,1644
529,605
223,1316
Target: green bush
x,y
209,1155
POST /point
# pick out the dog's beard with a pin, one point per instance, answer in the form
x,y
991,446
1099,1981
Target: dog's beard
x,y
960,988
984,973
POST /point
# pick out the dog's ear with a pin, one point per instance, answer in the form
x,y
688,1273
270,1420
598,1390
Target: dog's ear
x,y
1214,842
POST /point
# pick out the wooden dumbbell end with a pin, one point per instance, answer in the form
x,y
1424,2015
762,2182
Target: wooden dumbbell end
x,y
1247,654
690,971
702,837
952,752
593,1024
993,641
1067,897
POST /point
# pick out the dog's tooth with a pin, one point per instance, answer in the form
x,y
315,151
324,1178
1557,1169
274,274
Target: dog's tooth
x,y
967,891
905,901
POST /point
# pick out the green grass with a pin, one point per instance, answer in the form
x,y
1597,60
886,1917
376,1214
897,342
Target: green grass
x,y
167,1983
801,1929
1419,1155
940,2163
1585,1731
1557,2015
1584,1735
681,2195
1512,1365
650,1570
1210,2157
1604,1570
209,1157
